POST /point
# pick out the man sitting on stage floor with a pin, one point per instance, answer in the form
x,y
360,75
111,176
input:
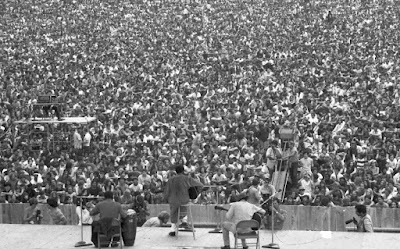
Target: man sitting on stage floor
x,y
158,221
240,210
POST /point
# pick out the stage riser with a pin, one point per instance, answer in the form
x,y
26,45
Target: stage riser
x,y
298,217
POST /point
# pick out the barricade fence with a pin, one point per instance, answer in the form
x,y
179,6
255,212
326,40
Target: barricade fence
x,y
297,218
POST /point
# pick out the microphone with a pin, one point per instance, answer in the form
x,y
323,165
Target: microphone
x,y
350,221
220,208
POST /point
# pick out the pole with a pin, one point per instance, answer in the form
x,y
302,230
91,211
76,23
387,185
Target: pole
x,y
82,221
218,229
272,244
82,242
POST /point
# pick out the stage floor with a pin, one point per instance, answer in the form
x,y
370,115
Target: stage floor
x,y
65,237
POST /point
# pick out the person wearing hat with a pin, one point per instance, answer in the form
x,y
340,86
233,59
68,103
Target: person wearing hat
x,y
158,221
238,211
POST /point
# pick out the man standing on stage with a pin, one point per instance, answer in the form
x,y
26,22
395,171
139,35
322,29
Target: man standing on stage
x,y
177,194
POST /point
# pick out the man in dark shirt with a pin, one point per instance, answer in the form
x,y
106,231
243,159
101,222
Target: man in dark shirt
x,y
108,208
177,194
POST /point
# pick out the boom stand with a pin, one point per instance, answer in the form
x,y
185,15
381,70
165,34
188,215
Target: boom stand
x,y
272,244
82,242
218,229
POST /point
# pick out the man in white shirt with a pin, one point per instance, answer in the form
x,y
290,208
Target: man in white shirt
x,y
136,187
219,178
306,164
144,178
273,154
86,141
77,138
240,210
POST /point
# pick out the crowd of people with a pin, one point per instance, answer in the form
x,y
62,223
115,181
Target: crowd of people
x,y
208,85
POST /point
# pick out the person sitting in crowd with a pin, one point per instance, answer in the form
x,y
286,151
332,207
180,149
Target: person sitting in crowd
x,y
221,118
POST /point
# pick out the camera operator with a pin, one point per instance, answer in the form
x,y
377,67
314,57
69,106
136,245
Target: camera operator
x,y
364,224
33,215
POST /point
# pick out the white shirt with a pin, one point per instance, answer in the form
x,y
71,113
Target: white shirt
x,y
86,139
77,140
137,188
241,210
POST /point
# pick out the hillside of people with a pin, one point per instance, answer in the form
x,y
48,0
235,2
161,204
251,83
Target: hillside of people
x,y
208,85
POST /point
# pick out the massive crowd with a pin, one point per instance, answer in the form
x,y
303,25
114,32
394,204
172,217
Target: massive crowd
x,y
209,85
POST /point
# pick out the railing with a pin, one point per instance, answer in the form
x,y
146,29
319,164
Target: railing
x,y
297,217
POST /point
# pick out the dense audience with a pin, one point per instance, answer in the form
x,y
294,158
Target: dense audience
x,y
211,86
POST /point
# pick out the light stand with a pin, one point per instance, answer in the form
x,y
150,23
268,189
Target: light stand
x,y
82,242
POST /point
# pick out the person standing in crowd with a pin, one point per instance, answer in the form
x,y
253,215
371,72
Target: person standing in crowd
x,y
292,156
55,213
77,139
273,154
267,189
253,192
364,224
238,211
306,164
86,142
160,220
177,194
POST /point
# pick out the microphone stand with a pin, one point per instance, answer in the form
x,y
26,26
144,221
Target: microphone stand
x,y
218,229
82,242
272,245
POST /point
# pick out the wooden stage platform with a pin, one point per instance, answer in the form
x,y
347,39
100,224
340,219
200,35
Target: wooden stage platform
x,y
64,237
